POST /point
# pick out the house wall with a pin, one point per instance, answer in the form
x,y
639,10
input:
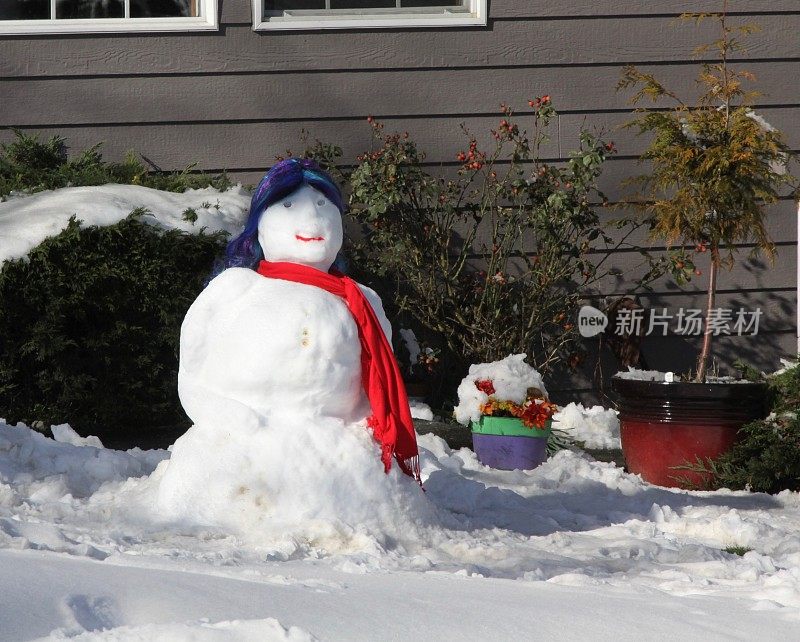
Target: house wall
x,y
235,99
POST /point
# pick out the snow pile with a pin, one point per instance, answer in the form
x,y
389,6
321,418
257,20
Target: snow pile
x,y
420,410
595,427
786,365
34,466
66,435
511,379
25,221
412,345
634,374
294,482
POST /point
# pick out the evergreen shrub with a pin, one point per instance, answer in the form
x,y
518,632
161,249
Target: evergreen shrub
x,y
767,456
90,324
30,165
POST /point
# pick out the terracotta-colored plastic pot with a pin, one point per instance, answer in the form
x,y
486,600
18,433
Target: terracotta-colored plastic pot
x,y
665,425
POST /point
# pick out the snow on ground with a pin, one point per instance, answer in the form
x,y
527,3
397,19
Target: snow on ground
x,y
576,549
25,221
594,427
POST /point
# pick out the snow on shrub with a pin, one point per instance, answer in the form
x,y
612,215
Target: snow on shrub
x,y
26,221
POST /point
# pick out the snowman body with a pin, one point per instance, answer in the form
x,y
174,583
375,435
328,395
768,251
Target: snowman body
x,y
270,374
274,347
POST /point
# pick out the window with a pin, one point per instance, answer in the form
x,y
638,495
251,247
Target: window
x,y
96,16
343,14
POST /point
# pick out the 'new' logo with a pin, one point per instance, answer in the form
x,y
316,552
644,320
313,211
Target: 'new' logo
x,y
591,321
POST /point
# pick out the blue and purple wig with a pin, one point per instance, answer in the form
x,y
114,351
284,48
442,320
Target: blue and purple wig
x,y
281,180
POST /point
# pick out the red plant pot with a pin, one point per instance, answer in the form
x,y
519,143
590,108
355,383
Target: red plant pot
x,y
666,425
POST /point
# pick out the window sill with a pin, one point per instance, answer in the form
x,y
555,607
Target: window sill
x,y
107,25
389,19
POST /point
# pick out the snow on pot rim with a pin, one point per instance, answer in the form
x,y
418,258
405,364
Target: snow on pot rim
x,y
657,376
689,401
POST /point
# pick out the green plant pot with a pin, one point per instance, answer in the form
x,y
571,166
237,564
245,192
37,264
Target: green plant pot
x,y
506,443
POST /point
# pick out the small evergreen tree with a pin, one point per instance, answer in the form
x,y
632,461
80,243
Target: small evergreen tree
x,y
715,163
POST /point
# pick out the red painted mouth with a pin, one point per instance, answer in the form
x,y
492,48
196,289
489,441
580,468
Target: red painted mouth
x,y
308,239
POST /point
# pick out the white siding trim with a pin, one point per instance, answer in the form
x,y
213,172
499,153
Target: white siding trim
x,y
207,21
476,17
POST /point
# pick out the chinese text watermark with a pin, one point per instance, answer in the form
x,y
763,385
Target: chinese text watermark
x,y
659,321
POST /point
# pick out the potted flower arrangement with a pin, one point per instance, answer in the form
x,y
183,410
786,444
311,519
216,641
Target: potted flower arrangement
x,y
715,165
506,405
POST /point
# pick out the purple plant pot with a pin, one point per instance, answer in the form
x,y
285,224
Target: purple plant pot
x,y
508,452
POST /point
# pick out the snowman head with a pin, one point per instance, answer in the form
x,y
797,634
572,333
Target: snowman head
x,y
295,216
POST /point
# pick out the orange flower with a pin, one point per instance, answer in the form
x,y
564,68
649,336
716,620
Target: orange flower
x,y
534,413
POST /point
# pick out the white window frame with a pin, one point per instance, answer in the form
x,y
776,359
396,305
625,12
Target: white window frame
x,y
475,16
206,21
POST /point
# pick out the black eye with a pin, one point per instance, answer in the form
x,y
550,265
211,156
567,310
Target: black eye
x,y
287,203
321,201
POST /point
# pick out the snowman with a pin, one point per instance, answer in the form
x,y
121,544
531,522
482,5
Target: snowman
x,y
286,367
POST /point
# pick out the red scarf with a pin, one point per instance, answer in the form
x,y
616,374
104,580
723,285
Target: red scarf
x,y
380,375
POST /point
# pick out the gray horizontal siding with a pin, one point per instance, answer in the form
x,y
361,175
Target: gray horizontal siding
x,y
227,144
235,99
350,94
505,43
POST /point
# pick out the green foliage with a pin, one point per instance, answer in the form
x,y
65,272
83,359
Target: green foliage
x,y
737,550
715,163
494,259
190,215
90,324
30,165
767,456
558,440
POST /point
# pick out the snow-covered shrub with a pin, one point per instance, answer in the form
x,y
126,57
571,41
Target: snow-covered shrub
x,y
89,326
